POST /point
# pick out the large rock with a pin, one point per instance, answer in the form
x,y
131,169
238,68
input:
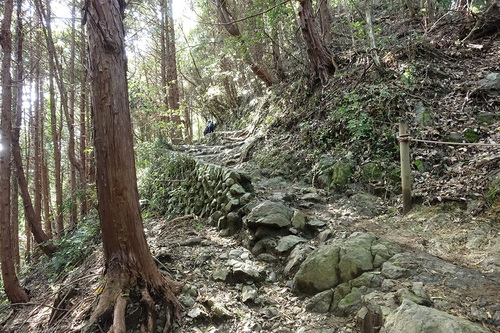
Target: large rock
x,y
367,204
288,242
431,270
319,271
356,256
341,172
413,318
271,214
246,272
299,220
320,303
296,257
339,262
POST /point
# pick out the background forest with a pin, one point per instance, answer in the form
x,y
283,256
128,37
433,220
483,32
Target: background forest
x,y
317,87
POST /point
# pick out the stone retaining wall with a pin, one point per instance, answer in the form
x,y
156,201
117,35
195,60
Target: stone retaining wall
x,y
213,192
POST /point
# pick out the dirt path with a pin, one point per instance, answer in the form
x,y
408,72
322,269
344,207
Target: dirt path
x,y
260,298
444,231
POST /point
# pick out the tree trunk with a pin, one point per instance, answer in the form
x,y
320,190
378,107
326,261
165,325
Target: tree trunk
x,y
129,264
47,210
232,28
322,63
172,78
83,125
188,124
163,61
371,35
56,140
35,224
19,102
276,47
325,19
14,220
227,82
12,287
37,142
31,217
70,119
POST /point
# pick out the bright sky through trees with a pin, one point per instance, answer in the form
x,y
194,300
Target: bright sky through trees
x,y
183,14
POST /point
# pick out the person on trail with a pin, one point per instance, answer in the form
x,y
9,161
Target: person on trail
x,y
210,127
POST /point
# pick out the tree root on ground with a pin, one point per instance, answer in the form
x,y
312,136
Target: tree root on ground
x,y
127,301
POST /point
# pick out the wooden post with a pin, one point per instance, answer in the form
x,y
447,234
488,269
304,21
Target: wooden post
x,y
404,149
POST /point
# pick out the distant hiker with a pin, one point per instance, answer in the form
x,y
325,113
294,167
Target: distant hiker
x,y
210,127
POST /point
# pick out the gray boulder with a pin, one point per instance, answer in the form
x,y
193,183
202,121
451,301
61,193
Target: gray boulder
x,y
271,214
431,270
319,271
264,245
320,303
299,220
491,81
246,272
288,242
296,257
356,256
341,261
249,293
413,318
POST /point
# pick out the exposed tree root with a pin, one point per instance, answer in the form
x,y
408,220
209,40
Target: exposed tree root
x,y
122,289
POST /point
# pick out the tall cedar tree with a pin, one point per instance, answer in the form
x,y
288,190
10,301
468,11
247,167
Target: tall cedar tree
x,y
129,264
11,284
32,217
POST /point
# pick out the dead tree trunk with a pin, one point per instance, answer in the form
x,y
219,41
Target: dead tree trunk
x,y
320,59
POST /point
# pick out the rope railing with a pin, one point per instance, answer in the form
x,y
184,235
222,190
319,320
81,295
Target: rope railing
x,y
407,138
404,144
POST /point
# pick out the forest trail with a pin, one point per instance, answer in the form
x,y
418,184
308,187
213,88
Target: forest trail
x,y
449,261
453,244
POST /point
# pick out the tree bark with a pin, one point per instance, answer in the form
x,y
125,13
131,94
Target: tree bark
x,y
325,19
129,264
12,287
56,139
70,119
276,47
35,224
32,219
320,59
163,62
172,78
227,83
371,35
83,125
19,102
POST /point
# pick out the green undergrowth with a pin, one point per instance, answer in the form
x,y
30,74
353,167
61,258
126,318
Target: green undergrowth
x,y
73,248
357,124
163,179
